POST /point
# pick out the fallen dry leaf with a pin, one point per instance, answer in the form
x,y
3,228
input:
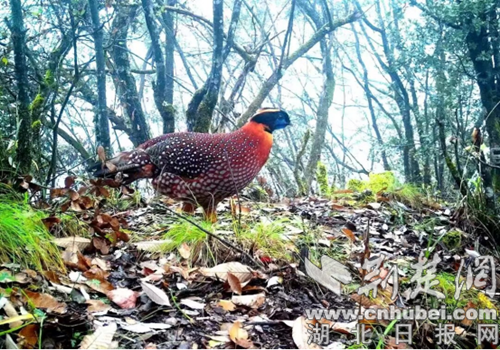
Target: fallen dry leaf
x,y
253,301
101,244
52,276
240,336
461,332
140,327
111,167
11,312
227,305
96,305
155,294
195,305
102,264
242,272
344,327
45,301
343,191
97,280
50,221
69,181
184,251
349,234
151,246
58,192
234,283
374,206
102,338
466,322
29,336
73,195
81,242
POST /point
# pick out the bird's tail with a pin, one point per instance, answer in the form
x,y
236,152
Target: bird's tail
x,y
132,165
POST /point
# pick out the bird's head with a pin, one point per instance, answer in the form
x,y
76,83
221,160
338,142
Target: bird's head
x,y
272,119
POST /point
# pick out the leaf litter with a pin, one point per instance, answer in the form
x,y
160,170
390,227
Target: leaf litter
x,y
119,283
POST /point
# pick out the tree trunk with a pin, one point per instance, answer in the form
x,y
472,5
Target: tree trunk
x,y
440,117
478,43
424,146
24,153
101,118
127,89
400,95
169,67
369,99
202,105
325,102
160,87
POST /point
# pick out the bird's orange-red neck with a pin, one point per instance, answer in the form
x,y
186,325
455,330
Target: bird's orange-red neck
x,y
255,127
258,132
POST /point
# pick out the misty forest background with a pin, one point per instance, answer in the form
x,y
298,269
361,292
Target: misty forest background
x,y
412,87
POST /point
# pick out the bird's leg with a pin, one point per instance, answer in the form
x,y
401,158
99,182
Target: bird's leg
x,y
210,212
188,208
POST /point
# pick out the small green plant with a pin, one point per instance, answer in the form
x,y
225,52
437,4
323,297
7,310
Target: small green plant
x,y
71,225
76,339
119,201
24,239
185,232
268,237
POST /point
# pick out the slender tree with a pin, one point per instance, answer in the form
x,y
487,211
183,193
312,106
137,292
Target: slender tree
x,y
24,154
127,89
101,117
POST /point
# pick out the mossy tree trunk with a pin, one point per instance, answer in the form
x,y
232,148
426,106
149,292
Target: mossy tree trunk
x,y
477,22
126,85
301,186
24,155
101,117
201,107
169,69
160,86
441,84
481,39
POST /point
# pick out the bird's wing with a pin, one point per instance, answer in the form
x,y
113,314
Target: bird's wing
x,y
188,154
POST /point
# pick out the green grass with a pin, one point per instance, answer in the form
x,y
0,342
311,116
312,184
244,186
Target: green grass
x,y
184,232
24,238
269,238
71,225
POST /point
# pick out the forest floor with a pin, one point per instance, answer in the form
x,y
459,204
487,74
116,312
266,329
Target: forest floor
x,y
137,275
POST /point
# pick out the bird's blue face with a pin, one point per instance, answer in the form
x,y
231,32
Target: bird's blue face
x,y
273,119
282,121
